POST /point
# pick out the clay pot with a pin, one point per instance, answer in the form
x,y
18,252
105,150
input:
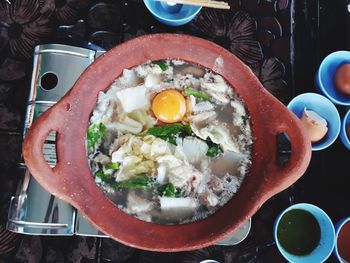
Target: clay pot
x,y
72,181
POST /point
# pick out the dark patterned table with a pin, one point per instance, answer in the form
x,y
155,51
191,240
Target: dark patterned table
x,y
282,41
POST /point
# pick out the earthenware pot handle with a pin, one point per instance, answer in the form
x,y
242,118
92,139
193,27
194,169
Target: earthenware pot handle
x,y
300,155
50,177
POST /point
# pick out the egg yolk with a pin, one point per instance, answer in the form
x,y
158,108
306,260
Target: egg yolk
x,y
169,106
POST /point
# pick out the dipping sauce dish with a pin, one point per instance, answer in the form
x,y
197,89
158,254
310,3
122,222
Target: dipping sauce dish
x,y
342,245
325,77
172,14
345,130
323,107
315,222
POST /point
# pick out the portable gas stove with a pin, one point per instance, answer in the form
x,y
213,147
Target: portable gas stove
x,y
33,210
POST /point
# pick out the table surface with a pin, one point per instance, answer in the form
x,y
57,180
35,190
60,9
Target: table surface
x,y
287,40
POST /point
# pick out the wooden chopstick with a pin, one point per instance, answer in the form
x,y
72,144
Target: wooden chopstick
x,y
205,3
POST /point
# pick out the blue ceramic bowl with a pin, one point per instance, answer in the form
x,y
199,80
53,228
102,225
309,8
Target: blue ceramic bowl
x,y
338,227
325,108
326,245
343,136
172,15
324,78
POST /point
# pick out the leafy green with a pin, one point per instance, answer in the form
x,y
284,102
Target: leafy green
x,y
168,190
166,130
95,134
141,182
104,177
112,166
163,66
170,131
197,93
213,148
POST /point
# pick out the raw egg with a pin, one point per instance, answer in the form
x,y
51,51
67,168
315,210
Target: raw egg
x,y
342,78
315,125
169,106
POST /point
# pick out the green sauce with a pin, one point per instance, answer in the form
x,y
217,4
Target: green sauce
x,y
298,232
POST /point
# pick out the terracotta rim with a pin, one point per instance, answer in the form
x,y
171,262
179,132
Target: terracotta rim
x,y
71,179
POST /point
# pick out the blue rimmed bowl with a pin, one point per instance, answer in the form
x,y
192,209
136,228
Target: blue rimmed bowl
x,y
327,241
172,15
343,135
325,108
324,78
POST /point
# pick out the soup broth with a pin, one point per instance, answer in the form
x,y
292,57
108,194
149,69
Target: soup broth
x,y
169,142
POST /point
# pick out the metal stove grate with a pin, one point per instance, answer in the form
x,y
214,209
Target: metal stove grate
x,y
33,210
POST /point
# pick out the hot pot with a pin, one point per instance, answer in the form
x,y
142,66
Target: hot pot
x,y
72,181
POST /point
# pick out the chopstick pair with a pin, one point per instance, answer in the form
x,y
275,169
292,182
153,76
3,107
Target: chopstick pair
x,y
204,3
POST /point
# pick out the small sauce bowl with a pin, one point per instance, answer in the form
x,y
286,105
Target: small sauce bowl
x,y
327,239
170,7
324,78
343,134
172,14
325,108
342,244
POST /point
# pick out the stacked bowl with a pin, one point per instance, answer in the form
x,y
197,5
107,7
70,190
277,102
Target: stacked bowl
x,y
323,123
333,80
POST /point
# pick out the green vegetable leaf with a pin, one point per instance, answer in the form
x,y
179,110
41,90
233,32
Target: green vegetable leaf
x,y
197,93
166,130
163,66
214,149
168,190
95,134
141,182
112,166
104,177
170,131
